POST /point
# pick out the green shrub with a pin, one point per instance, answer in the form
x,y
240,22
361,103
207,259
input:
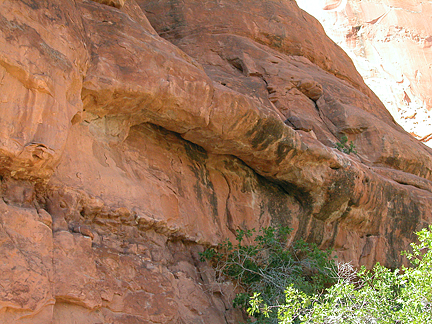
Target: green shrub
x,y
342,146
301,284
265,268
376,296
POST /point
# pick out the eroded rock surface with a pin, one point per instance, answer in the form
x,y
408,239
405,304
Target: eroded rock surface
x,y
124,154
389,42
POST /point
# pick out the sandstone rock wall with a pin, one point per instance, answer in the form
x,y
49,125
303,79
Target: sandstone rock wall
x,y
125,154
390,43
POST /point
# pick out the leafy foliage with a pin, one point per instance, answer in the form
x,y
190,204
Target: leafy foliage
x,y
342,146
379,295
265,268
287,284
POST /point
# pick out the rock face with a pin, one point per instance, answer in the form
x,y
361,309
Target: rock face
x,y
390,43
134,136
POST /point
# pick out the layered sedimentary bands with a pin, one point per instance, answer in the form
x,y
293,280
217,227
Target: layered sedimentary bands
x,y
136,133
390,42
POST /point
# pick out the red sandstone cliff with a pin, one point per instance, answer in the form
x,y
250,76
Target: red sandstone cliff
x,y
135,134
390,43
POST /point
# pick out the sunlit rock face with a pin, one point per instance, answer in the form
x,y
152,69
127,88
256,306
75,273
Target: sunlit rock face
x,y
390,43
135,134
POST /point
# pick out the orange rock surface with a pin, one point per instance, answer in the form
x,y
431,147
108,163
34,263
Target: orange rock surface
x,y
135,134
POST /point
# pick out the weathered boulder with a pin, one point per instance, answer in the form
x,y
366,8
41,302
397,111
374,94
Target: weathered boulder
x,y
126,154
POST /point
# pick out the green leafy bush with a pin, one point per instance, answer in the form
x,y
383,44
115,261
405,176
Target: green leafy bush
x,y
377,296
342,146
301,284
265,268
